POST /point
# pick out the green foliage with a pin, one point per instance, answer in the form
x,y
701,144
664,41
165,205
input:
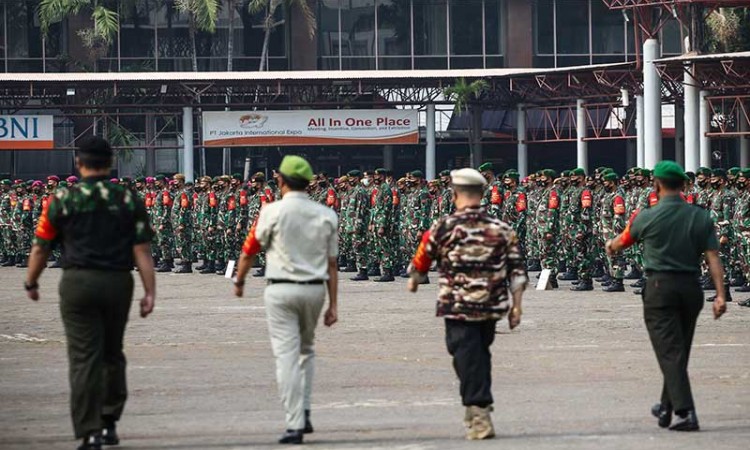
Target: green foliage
x,y
106,21
463,93
203,13
728,30
270,6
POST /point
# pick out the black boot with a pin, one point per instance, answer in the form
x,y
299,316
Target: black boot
x,y
387,277
374,271
109,432
167,266
553,283
728,294
260,272
598,271
603,279
737,281
91,442
634,274
209,268
361,276
22,261
220,267
534,265
185,267
584,285
615,286
745,288
10,262
744,302
202,266
308,425
351,267
570,275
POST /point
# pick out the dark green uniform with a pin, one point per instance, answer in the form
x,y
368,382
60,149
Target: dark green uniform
x,y
98,223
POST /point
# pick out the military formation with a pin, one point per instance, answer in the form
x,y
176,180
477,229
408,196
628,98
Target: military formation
x,y
562,220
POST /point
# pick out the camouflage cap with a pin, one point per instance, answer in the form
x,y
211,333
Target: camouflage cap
x,y
179,177
343,179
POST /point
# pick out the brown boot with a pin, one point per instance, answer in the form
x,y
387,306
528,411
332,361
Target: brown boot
x,y
481,424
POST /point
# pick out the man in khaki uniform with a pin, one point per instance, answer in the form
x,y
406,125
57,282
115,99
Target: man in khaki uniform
x,y
300,238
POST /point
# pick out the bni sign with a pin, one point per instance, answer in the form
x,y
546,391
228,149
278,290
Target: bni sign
x,y
26,133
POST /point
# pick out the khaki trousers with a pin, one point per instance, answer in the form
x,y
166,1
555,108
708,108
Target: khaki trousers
x,y
293,311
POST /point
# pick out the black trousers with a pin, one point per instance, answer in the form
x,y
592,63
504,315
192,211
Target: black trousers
x,y
469,344
671,305
95,305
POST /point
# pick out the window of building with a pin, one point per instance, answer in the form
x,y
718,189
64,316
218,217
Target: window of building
x,y
573,27
607,30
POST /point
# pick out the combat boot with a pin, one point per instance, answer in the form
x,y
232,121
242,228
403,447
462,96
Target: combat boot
x,y
744,302
386,278
10,262
570,275
202,266
562,267
584,285
220,267
603,279
351,267
744,288
728,294
737,281
634,274
553,283
2,259
361,276
480,426
598,271
534,266
210,268
615,286
22,261
167,266
374,272
639,284
185,267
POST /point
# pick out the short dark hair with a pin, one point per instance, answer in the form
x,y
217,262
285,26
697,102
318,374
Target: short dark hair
x,y
672,184
95,153
471,191
295,184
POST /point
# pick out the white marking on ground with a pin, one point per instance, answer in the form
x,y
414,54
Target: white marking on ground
x,y
382,403
552,347
21,337
721,345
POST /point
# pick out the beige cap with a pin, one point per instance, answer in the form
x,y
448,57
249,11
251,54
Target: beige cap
x,y
467,177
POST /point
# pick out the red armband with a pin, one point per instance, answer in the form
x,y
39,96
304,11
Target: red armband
x,y
251,247
44,229
626,239
421,261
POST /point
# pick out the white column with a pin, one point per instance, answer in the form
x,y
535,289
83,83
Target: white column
x,y
679,134
652,104
187,143
429,158
640,132
582,147
690,105
523,148
744,142
388,157
703,128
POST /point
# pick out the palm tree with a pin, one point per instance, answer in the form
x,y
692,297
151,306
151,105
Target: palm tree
x,y
202,16
724,30
463,95
97,39
270,23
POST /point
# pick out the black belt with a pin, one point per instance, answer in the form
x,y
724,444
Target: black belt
x,y
682,273
295,282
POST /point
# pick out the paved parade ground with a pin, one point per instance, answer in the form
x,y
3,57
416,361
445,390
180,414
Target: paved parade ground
x,y
578,373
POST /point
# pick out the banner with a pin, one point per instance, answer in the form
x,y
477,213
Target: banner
x,y
26,132
310,127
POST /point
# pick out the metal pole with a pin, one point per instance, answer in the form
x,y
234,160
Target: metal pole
x,y
744,142
150,151
430,150
679,134
187,142
523,147
704,127
652,104
640,132
692,150
582,153
248,165
388,157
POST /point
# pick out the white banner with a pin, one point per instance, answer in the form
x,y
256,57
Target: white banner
x,y
26,132
310,127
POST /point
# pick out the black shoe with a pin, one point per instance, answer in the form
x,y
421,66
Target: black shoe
x,y
638,284
571,275
744,302
534,266
687,423
606,283
662,413
350,268
737,281
210,268
634,274
426,280
56,265
260,273
185,268
361,276
22,262
109,436
553,283
386,278
584,285
374,272
220,267
202,266
745,288
308,425
616,286
91,442
603,279
727,292
292,437
165,267
10,262
575,282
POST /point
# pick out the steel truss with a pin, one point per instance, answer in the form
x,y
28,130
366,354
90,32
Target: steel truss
x,y
604,121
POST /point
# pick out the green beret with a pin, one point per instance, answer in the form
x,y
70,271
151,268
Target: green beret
x,y
354,173
734,171
296,167
578,172
703,171
512,174
445,173
62,184
381,171
488,166
417,174
6,182
744,173
216,179
140,180
600,169
549,173
159,177
565,173
609,176
644,173
669,170
690,175
721,173
237,176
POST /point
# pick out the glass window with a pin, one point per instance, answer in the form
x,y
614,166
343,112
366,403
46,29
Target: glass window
x,y
24,35
328,28
493,27
394,27
545,27
358,28
430,27
573,27
466,27
607,30
671,38
137,22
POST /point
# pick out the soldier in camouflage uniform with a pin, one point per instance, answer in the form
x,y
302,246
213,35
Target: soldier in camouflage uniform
x,y
581,207
533,240
436,201
741,223
381,225
566,248
723,201
356,222
548,220
417,209
515,209
613,221
22,220
492,201
6,228
447,207
163,200
260,195
346,254
182,224
226,223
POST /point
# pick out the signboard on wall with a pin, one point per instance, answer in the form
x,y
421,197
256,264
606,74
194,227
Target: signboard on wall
x,y
310,127
26,132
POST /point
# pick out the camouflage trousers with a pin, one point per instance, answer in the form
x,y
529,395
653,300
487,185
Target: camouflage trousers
x,y
382,251
9,243
583,254
360,251
534,242
346,250
549,255
520,229
166,243
229,248
744,250
725,254
183,240
23,237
